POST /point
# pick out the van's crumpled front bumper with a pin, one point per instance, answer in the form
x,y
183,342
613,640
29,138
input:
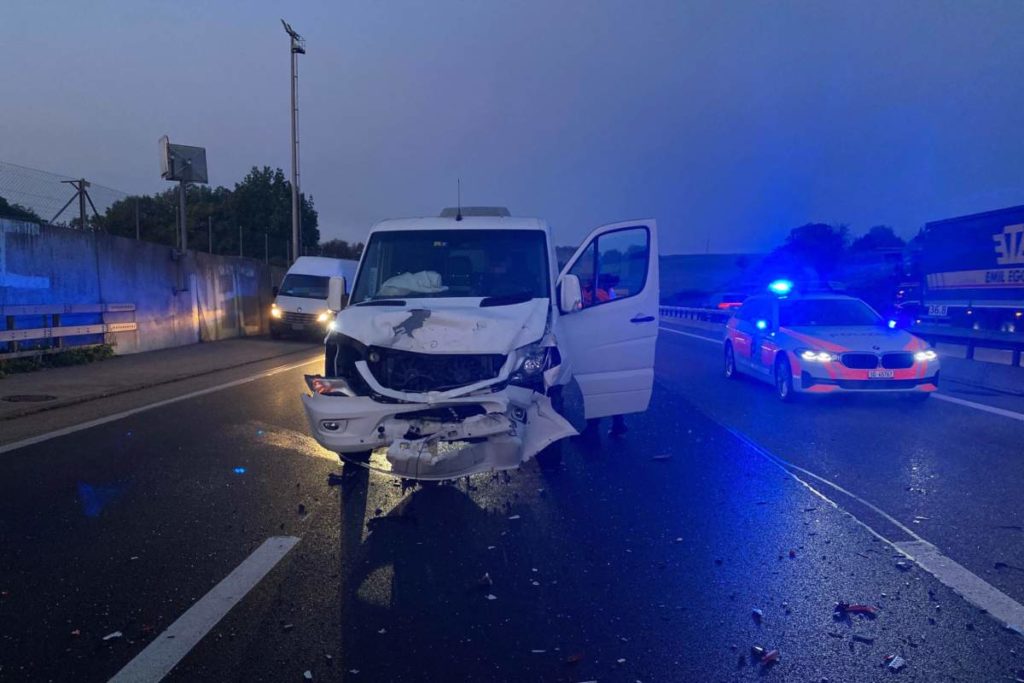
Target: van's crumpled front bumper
x,y
429,440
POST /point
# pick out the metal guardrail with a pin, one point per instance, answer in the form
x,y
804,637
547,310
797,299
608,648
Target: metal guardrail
x,y
711,315
14,334
971,339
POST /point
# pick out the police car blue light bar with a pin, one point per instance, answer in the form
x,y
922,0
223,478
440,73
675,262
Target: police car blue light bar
x,y
780,287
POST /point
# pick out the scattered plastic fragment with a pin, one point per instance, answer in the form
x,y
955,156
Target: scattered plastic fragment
x,y
514,517
308,675
620,660
485,580
663,456
903,566
492,596
491,547
757,651
575,658
679,539
535,583
113,636
771,657
287,627
76,632
897,662
538,652
854,608
382,631
757,614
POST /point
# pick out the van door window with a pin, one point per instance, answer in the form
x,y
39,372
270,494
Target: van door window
x,y
614,266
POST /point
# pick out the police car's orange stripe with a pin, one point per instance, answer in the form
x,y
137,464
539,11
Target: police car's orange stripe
x,y
814,341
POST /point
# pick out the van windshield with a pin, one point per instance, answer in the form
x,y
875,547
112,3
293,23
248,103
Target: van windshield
x,y
454,263
305,286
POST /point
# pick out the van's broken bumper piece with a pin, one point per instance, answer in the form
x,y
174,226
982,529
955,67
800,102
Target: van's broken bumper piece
x,y
430,441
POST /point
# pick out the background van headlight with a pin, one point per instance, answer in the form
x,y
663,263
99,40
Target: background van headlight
x,y
323,317
275,312
926,355
813,356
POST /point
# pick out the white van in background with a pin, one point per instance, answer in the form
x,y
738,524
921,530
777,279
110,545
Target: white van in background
x,y
300,303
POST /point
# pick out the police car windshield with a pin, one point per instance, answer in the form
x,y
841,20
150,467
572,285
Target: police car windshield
x,y
826,313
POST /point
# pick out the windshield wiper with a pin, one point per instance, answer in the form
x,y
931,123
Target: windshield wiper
x,y
382,302
506,299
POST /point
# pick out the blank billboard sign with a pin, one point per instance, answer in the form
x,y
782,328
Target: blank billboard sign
x,y
182,162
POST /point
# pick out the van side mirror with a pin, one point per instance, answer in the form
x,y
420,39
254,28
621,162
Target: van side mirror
x,y
570,294
274,290
335,294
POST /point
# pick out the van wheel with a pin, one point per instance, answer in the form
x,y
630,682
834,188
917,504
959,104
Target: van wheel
x,y
784,380
550,457
730,362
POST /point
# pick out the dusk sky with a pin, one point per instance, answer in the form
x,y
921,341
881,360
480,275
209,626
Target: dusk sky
x,y
726,121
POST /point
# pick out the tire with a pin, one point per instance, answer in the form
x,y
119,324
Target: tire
x,y
730,362
551,456
358,456
784,380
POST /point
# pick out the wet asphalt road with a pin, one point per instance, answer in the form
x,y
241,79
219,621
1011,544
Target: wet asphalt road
x,y
621,566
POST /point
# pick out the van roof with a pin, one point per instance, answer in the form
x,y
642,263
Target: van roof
x,y
322,265
467,223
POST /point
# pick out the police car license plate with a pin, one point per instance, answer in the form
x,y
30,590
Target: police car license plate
x,y
880,374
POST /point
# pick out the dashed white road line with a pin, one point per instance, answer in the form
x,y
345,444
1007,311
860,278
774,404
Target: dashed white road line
x,y
1013,415
951,574
979,406
690,334
13,446
171,646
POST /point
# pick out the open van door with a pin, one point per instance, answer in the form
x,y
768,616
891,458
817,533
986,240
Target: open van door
x,y
611,335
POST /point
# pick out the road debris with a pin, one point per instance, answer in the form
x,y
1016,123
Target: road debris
x,y
895,662
575,658
864,639
757,614
770,657
537,652
77,632
485,580
514,517
308,675
663,456
903,566
842,608
113,636
492,596
381,631
302,509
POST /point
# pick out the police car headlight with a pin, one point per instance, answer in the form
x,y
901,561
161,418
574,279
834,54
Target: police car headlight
x,y
926,355
813,356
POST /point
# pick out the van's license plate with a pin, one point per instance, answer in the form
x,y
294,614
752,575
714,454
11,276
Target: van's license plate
x,y
297,326
880,374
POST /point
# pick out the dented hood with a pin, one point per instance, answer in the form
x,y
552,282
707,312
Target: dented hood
x,y
447,325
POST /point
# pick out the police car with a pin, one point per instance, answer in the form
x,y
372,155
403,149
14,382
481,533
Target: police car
x,y
822,343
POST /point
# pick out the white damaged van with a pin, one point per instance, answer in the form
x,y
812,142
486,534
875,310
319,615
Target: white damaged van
x,y
462,349
300,303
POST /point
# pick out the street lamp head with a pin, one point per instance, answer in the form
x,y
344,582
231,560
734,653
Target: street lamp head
x,y
298,42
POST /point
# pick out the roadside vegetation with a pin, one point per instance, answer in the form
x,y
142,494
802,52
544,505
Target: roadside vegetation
x,y
74,356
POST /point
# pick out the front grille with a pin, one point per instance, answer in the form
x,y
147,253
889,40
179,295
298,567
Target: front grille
x,y
409,371
898,361
860,361
299,318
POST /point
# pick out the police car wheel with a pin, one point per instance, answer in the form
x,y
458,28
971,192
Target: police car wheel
x,y
784,380
730,362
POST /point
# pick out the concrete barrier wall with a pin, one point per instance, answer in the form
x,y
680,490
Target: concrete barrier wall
x,y
197,297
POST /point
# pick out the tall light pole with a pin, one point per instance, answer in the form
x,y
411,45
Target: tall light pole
x,y
298,47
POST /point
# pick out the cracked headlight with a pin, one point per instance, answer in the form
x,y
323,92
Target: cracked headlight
x,y
533,361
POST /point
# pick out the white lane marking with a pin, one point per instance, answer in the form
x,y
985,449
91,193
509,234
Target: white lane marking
x,y
979,406
117,416
689,334
171,646
939,395
971,587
